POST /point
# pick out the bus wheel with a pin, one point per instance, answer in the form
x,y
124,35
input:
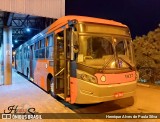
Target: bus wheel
x,y
52,87
28,74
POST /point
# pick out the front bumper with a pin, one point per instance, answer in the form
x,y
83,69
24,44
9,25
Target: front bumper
x,y
93,93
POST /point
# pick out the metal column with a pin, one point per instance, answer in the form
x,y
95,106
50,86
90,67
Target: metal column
x,y
7,42
1,62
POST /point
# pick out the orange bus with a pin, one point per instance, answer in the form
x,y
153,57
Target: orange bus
x,y
81,59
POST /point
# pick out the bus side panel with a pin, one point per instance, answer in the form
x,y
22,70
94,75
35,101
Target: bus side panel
x,y
27,62
34,63
73,89
26,65
18,62
41,71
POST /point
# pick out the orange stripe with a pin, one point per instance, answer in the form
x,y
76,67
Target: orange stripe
x,y
116,78
73,89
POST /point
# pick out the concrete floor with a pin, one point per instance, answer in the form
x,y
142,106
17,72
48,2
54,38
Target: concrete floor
x,y
22,92
25,94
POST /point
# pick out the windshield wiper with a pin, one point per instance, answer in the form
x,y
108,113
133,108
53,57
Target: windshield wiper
x,y
130,66
106,63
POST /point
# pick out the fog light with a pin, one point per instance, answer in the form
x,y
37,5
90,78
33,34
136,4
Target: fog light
x,y
84,77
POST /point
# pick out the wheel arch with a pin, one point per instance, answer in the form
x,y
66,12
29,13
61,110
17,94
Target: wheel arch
x,y
49,77
27,70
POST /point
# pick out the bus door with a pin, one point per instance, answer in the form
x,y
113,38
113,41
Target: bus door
x,y
61,65
30,70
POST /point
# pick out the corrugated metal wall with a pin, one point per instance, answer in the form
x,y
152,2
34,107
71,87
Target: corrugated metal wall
x,y
44,8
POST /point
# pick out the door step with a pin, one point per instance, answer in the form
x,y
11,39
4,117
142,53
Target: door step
x,y
61,95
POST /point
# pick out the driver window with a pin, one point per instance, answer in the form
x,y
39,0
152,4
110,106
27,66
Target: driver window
x,y
120,48
99,47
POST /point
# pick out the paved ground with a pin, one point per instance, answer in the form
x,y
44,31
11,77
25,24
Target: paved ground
x,y
147,100
25,94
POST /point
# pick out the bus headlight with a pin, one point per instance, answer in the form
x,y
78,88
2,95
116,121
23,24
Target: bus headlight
x,y
86,77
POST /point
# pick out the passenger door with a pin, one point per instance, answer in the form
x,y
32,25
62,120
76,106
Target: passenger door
x,y
62,64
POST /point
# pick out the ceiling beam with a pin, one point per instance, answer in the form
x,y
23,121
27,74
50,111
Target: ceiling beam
x,y
9,22
25,19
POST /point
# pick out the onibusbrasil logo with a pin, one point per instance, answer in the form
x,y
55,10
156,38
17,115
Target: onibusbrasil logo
x,y
24,111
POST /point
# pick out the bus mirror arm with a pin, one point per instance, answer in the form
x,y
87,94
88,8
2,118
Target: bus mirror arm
x,y
74,45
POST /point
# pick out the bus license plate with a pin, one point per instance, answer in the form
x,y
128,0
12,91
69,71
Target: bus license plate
x,y
119,94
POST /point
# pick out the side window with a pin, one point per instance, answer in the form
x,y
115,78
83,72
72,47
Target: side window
x,y
28,52
17,54
49,47
24,53
42,43
50,40
36,47
20,54
31,52
36,53
42,49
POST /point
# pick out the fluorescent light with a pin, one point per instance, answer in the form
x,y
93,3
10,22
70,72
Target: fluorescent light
x,y
15,41
28,29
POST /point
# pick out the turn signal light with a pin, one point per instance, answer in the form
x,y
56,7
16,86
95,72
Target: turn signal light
x,y
103,78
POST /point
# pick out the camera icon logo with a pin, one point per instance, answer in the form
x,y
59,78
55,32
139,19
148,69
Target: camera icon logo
x,y
6,116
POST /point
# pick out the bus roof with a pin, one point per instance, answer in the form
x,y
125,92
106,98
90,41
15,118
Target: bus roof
x,y
64,20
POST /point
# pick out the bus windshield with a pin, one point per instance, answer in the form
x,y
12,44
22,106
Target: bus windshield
x,y
104,51
97,47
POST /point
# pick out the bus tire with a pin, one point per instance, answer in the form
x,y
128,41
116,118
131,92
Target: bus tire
x,y
28,74
52,88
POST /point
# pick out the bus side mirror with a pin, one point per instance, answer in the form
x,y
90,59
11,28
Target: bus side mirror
x,y
76,49
74,45
75,42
